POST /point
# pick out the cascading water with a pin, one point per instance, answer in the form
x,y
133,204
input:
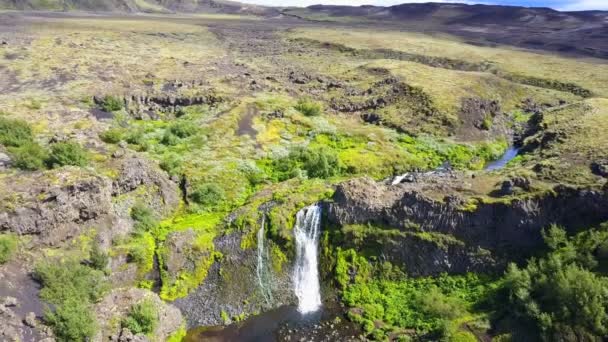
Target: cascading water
x,y
262,271
306,273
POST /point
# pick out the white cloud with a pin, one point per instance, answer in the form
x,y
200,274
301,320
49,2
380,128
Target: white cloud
x,y
580,5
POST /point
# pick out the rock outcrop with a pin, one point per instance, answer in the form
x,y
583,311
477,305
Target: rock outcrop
x,y
118,303
231,287
55,206
493,226
135,172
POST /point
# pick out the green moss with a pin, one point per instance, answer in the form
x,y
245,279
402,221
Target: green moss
x,y
8,246
278,258
179,285
142,318
179,335
225,317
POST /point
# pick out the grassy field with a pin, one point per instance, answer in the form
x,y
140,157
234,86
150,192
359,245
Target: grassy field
x,y
589,73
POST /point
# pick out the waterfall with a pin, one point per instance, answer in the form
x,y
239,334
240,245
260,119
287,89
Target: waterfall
x,y
262,271
306,273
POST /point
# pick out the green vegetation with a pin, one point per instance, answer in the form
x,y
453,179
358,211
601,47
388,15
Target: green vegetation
x,y
207,195
15,133
111,103
143,217
8,246
309,107
67,153
72,321
29,156
320,162
433,306
563,293
112,135
98,258
72,288
142,318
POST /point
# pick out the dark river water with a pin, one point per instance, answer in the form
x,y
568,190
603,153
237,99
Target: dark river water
x,y
282,324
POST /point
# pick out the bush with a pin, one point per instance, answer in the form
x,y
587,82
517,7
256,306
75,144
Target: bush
x,y
142,318
320,162
72,321
136,137
112,135
207,194
8,245
144,218
98,258
171,164
15,133
111,103
67,153
183,129
169,139
69,280
560,293
29,156
309,107
72,287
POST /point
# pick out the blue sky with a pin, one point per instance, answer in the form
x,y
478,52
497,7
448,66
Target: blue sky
x,y
566,5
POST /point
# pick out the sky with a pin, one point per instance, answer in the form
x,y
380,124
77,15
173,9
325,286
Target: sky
x,y
563,5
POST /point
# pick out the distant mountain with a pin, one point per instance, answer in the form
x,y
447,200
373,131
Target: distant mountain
x,y
584,32
134,6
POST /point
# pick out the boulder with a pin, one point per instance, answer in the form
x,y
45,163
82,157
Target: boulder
x,y
55,206
117,304
600,168
135,172
5,160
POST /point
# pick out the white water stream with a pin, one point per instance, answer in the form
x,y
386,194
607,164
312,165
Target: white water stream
x,y
306,273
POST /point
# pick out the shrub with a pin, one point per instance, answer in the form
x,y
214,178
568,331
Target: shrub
x,y
69,280
320,162
112,135
183,129
72,321
171,164
144,218
8,245
111,103
71,287
15,133
136,137
29,156
559,293
67,153
309,107
207,194
98,258
169,139
142,318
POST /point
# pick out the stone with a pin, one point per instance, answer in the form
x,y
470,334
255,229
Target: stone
x,y
600,168
30,320
5,160
119,153
10,301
